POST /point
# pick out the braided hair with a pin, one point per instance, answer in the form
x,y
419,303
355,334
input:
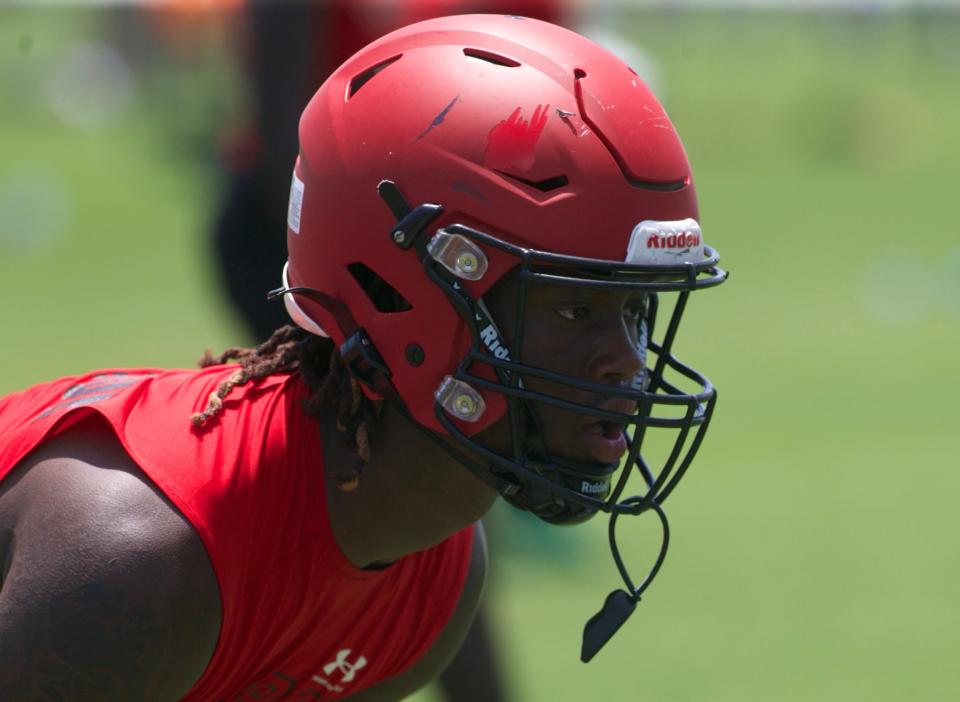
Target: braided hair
x,y
292,350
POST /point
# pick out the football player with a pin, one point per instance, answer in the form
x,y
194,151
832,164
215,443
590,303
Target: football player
x,y
492,237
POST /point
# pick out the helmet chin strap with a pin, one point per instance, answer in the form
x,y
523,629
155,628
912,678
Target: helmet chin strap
x,y
620,604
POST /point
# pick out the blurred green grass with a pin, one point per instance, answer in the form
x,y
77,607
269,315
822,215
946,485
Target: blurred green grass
x,y
816,547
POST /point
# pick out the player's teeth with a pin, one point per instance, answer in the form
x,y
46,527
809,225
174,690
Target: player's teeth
x,y
595,428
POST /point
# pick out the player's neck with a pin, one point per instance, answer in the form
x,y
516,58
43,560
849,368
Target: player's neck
x,y
410,496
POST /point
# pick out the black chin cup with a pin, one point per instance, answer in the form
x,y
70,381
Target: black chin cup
x,y
543,501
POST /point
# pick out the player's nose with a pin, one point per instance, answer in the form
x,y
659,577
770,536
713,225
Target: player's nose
x,y
618,359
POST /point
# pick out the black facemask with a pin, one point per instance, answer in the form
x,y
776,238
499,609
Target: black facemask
x,y
563,492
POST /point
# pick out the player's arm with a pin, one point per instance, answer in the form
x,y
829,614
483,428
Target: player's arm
x,y
439,655
106,592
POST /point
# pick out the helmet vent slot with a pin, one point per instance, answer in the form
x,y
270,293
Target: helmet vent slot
x,y
490,57
361,79
671,186
384,296
545,186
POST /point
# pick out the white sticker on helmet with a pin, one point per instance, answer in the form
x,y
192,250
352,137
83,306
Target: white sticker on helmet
x,y
296,204
667,243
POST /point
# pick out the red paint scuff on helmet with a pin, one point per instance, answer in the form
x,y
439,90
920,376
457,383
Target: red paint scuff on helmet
x,y
511,144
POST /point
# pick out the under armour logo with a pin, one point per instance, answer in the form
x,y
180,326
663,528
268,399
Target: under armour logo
x,y
347,669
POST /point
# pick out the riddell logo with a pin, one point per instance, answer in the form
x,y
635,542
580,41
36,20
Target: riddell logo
x,y
655,242
592,488
491,339
679,240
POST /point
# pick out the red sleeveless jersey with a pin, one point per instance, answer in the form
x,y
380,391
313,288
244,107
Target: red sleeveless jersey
x,y
299,621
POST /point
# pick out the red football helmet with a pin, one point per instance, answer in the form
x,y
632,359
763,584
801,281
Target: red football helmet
x,y
453,151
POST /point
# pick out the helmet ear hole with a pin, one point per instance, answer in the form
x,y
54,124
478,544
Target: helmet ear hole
x,y
384,296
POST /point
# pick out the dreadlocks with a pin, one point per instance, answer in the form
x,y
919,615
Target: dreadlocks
x,y
293,350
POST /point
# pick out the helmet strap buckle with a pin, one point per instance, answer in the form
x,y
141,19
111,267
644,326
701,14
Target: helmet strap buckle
x,y
411,222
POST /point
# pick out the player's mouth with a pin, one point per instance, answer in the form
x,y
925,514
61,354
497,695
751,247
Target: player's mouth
x,y
605,441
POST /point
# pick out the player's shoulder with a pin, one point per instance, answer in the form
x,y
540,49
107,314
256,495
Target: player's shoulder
x,y
79,496
83,474
102,564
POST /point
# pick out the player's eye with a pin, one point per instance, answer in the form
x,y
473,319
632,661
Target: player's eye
x,y
573,312
636,309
